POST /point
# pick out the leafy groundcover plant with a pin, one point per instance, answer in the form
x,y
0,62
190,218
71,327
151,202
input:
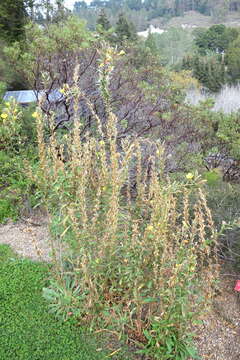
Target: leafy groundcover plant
x,y
134,252
27,331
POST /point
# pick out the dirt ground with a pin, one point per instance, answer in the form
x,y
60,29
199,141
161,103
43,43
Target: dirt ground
x,y
218,337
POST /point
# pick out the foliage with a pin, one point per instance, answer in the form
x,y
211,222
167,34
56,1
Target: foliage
x,y
125,30
10,127
12,19
217,38
44,46
64,300
17,194
144,273
232,60
223,200
209,70
104,28
27,330
10,79
17,144
217,61
144,97
173,44
150,44
103,20
228,134
7,210
149,10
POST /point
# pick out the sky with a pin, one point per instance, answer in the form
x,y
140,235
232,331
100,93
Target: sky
x,y
69,3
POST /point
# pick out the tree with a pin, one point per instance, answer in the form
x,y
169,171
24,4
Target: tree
x,y
79,5
173,45
115,4
60,13
125,30
151,44
13,17
49,63
233,60
8,74
208,70
48,57
178,8
134,4
217,38
97,3
103,20
150,4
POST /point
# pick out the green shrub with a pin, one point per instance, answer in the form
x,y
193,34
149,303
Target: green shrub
x,y
7,210
224,201
18,140
17,191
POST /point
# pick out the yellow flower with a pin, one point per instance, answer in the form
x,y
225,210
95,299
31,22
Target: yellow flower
x,y
62,91
7,103
4,115
35,115
150,228
122,52
189,176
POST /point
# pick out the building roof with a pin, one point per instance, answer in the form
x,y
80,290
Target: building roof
x,y
21,96
30,96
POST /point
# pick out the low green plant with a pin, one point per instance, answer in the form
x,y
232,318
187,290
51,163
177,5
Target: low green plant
x,y
27,331
164,343
65,298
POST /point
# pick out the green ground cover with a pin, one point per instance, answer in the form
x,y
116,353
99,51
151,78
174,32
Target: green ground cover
x,y
27,331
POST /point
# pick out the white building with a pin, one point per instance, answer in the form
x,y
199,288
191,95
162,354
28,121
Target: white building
x,y
151,30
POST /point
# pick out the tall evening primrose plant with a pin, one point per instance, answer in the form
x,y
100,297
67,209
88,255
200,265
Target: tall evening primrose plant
x,y
143,265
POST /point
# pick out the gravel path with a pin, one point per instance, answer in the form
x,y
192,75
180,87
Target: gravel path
x,y
218,338
29,238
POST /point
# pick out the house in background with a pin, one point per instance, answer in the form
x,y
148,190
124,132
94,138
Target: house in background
x,y
28,97
22,97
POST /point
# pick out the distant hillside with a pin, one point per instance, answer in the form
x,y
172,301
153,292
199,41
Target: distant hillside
x,y
163,13
192,19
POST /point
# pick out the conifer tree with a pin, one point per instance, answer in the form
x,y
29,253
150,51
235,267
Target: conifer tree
x,y
103,20
13,16
151,44
125,30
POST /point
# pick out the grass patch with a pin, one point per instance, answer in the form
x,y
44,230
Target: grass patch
x,y
27,331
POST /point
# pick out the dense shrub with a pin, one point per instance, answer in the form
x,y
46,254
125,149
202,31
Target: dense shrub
x,y
146,99
140,254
